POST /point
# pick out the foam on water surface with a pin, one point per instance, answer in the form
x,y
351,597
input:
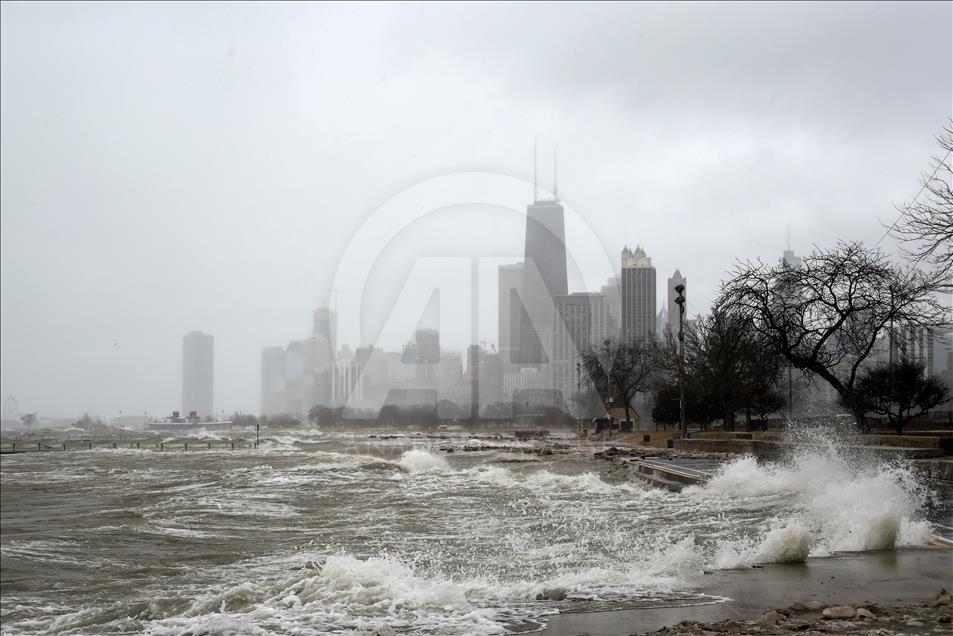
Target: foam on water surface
x,y
348,538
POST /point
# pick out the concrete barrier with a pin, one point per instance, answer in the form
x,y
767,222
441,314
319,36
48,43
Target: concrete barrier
x,y
771,450
936,468
758,448
909,441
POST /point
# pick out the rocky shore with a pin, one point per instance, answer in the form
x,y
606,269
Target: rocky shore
x,y
813,617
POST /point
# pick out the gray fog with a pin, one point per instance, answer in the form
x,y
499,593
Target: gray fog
x,y
169,168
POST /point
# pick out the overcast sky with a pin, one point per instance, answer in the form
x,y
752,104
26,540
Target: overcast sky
x,y
171,167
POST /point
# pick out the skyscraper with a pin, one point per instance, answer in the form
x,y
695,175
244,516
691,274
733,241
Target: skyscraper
x,y
661,323
638,296
473,370
613,306
580,323
198,362
272,380
325,328
428,353
510,289
790,259
544,276
675,280
297,392
428,346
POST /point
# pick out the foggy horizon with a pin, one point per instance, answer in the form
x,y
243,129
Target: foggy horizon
x,y
167,169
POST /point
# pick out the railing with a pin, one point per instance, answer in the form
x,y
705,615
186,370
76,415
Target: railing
x,y
28,446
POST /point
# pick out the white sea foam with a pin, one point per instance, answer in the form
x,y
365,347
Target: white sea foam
x,y
839,503
418,461
547,481
343,594
790,544
504,544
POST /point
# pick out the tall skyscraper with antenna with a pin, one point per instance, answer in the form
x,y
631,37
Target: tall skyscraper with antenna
x,y
789,258
544,270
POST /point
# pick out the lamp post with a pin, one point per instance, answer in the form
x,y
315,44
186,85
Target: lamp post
x,y
680,301
579,404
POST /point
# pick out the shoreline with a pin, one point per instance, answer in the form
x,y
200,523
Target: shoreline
x,y
890,577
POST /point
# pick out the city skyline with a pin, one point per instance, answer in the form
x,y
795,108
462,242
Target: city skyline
x,y
579,321
223,186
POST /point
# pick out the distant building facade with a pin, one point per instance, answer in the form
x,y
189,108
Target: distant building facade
x,y
325,327
544,277
580,324
272,380
510,290
638,296
198,371
611,290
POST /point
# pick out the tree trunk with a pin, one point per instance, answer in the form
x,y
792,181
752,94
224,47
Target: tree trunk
x,y
729,424
898,425
862,423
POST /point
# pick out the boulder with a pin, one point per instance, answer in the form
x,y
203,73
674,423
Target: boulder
x,y
807,606
840,611
553,594
770,618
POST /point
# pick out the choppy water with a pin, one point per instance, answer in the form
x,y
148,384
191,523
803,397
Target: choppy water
x,y
317,533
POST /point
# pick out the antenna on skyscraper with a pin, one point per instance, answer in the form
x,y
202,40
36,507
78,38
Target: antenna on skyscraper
x,y
789,237
555,187
535,180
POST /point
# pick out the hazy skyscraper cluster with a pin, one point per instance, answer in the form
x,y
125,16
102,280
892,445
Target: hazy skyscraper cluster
x,y
543,330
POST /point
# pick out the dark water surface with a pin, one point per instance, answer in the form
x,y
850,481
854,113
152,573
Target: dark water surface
x,y
315,533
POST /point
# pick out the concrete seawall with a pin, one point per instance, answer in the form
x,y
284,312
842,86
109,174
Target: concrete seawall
x,y
772,450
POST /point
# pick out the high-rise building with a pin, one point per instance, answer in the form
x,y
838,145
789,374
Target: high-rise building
x,y
661,322
638,296
510,290
473,370
672,307
198,364
912,344
790,259
428,346
491,378
450,377
297,392
272,380
942,352
580,324
326,327
611,290
544,276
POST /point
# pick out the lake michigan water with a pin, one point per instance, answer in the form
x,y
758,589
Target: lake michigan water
x,y
338,533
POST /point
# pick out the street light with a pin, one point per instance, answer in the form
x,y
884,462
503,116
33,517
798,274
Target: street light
x,y
680,301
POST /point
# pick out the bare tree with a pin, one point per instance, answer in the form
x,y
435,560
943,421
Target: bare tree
x,y
620,370
900,392
925,227
826,316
